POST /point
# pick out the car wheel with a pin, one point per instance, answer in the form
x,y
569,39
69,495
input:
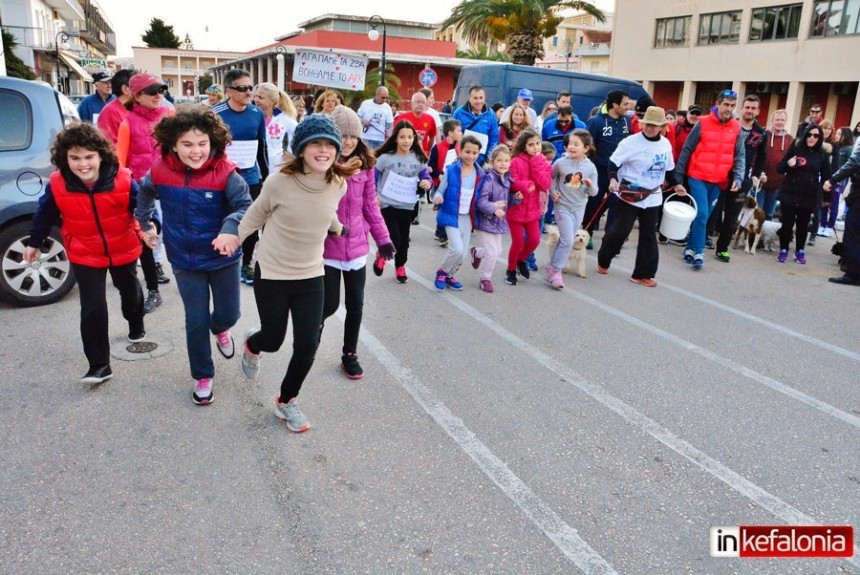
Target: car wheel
x,y
46,281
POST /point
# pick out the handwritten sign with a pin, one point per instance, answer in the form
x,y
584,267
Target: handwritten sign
x,y
332,69
400,189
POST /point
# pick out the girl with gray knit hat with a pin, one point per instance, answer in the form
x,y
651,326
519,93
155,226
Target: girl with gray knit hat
x,y
297,205
346,256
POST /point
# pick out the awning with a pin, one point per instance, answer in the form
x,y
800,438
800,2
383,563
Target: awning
x,y
70,62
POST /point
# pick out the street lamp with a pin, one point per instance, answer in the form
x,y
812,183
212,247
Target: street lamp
x,y
64,38
281,50
373,34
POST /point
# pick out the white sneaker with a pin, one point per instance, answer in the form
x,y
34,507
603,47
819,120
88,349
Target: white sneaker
x,y
289,412
820,231
828,232
202,394
250,361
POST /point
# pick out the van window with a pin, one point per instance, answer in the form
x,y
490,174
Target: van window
x,y
16,129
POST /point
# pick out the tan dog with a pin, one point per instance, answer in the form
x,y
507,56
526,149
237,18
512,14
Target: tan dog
x,y
576,259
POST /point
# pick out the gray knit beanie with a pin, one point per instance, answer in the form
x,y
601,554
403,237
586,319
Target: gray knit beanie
x,y
315,127
347,121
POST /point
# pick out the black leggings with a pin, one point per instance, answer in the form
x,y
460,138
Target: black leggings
x,y
399,223
251,241
353,299
94,308
790,215
277,300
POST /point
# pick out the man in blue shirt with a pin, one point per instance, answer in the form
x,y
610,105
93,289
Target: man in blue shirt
x,y
248,148
91,106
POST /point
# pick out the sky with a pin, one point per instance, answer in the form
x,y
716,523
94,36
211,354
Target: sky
x,y
245,27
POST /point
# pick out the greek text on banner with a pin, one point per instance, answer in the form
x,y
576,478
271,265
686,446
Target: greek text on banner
x,y
332,69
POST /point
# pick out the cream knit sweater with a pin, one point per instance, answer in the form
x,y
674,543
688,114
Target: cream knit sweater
x,y
298,212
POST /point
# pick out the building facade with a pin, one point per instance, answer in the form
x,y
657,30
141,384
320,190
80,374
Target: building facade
x,y
791,55
581,44
57,37
180,69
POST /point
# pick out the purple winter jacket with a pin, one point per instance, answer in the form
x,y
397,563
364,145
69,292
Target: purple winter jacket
x,y
358,210
494,187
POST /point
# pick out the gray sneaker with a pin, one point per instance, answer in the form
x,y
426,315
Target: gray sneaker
x,y
250,361
290,412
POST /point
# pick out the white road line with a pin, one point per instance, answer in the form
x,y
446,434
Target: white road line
x,y
761,321
563,535
747,316
738,483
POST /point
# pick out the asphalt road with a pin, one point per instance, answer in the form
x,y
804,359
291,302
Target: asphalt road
x,y
601,429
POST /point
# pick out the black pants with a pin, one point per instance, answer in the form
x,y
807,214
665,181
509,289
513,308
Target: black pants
x,y
277,300
792,215
94,310
147,264
399,224
251,241
733,203
353,300
851,241
647,253
594,202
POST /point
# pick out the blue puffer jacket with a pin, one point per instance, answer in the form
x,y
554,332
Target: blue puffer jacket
x,y
483,123
449,211
197,205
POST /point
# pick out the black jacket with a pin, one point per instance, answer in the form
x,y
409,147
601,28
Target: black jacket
x,y
802,184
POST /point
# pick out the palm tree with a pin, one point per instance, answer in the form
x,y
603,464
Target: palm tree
x,y
483,52
521,24
353,99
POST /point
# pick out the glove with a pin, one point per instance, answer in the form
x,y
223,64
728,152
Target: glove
x,y
345,231
387,251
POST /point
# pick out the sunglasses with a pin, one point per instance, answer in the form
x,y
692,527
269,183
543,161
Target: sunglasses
x,y
813,135
815,111
154,90
242,89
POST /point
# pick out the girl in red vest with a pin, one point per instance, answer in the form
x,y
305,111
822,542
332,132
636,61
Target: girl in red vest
x,y
96,199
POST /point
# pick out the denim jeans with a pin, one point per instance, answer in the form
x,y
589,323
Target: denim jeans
x,y
194,288
706,195
766,199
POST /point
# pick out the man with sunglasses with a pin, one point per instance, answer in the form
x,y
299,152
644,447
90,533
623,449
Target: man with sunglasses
x,y
816,115
712,158
248,149
376,118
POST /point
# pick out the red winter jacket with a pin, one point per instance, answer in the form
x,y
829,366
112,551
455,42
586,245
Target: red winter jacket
x,y
98,228
529,172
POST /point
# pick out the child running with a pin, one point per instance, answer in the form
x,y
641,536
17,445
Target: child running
x,y
96,199
574,179
347,255
401,168
298,207
442,155
490,210
531,175
203,199
456,200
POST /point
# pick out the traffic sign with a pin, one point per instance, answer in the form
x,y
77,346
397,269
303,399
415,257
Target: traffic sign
x,y
428,77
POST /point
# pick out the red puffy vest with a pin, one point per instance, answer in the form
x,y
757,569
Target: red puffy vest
x,y
714,156
98,228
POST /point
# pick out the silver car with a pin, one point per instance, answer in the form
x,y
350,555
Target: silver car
x,y
31,115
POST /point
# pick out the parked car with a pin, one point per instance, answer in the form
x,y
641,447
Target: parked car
x,y
33,114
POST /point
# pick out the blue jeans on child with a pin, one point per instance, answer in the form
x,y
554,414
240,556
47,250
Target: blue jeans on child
x,y
194,288
706,195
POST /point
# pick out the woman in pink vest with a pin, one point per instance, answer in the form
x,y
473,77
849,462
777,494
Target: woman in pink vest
x,y
137,149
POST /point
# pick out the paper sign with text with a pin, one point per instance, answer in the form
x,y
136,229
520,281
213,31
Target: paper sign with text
x,y
332,69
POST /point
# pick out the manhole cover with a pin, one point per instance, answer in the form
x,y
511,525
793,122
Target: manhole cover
x,y
142,347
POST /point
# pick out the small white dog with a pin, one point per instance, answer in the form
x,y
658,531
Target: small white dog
x,y
767,235
576,259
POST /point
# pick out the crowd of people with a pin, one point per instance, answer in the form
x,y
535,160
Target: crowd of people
x,y
141,180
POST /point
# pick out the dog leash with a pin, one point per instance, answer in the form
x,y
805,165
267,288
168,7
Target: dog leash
x,y
599,208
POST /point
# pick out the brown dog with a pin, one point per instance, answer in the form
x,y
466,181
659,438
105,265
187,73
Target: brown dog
x,y
749,227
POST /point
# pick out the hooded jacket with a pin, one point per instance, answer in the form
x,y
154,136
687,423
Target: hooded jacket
x,y
359,211
802,184
494,187
777,144
197,205
483,123
527,171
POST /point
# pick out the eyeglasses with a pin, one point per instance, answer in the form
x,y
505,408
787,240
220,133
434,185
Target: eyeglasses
x,y
154,90
815,111
730,94
242,89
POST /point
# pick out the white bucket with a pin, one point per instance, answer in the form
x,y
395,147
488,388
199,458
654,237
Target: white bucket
x,y
677,217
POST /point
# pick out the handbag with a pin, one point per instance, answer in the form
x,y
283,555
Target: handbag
x,y
630,192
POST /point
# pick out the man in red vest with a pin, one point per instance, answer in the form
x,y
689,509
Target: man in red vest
x,y
712,159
